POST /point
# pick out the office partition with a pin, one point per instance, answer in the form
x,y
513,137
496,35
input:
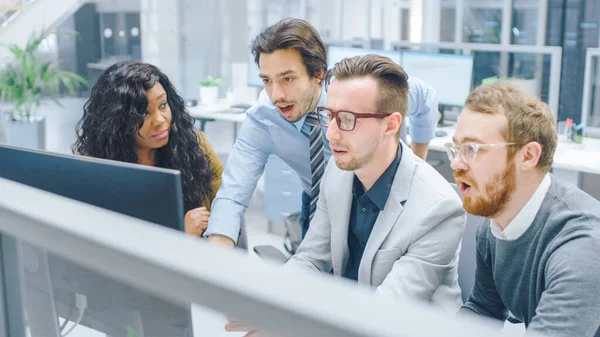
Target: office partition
x,y
184,270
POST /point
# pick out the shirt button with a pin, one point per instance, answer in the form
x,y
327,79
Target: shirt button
x,y
364,209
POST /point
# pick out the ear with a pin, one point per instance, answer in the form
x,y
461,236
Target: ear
x,y
531,154
319,76
394,123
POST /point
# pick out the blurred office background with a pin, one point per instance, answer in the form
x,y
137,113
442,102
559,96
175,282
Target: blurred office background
x,y
191,39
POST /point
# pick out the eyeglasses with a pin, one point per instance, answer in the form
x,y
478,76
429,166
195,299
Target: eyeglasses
x,y
468,151
346,120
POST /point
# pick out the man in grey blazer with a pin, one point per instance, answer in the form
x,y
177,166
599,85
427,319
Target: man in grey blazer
x,y
384,217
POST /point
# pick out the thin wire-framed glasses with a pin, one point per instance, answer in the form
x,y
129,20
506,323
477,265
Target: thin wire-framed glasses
x,y
468,151
346,120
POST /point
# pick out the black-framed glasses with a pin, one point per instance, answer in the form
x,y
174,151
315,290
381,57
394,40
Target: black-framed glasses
x,y
468,151
346,120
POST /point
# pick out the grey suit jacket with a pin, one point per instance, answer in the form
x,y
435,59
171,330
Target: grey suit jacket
x,y
413,249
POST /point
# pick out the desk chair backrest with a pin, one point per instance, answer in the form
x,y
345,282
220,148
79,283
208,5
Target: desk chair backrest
x,y
467,258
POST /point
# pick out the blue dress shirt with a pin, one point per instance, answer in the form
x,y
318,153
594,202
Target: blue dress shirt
x,y
265,132
364,212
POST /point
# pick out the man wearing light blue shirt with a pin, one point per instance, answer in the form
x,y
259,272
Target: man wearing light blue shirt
x,y
293,62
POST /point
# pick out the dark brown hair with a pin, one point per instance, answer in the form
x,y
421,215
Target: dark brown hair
x,y
293,34
529,119
392,80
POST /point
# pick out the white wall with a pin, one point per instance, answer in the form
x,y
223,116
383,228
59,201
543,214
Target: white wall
x,y
103,6
161,40
355,19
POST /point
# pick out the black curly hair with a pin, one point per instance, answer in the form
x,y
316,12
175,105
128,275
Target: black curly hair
x,y
115,112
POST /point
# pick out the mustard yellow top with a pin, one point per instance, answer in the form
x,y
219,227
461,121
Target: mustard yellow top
x,y
215,166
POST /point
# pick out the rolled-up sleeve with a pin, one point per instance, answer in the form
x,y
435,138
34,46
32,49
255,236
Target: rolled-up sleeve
x,y
244,167
422,110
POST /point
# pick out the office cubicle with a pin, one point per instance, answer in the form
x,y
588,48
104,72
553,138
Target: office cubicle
x,y
210,281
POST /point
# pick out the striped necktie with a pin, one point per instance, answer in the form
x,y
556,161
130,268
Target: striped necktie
x,y
317,160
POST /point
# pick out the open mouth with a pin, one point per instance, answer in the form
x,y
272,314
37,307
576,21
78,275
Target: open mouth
x,y
285,109
464,187
339,152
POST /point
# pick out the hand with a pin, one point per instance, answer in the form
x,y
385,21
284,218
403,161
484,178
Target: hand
x,y
196,221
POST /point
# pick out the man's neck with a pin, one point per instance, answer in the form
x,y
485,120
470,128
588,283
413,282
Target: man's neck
x,y
369,173
526,187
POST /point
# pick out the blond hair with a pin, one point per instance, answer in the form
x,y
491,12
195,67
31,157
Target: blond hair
x,y
529,119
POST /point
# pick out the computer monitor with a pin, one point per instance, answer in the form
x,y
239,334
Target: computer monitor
x,y
450,75
335,54
253,79
144,192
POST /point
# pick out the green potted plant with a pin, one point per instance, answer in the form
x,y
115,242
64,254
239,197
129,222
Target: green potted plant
x,y
209,89
26,81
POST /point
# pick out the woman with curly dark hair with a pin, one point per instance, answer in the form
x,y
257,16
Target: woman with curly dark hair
x,y
135,115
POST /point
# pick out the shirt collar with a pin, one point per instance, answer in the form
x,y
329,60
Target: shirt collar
x,y
380,191
519,225
298,125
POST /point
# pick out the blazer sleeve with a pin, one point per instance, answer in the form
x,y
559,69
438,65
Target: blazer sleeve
x,y
431,255
215,166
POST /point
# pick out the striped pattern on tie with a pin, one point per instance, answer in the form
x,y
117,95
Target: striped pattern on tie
x,y
317,160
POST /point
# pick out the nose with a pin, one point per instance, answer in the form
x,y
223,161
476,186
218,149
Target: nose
x,y
458,164
276,93
333,131
159,119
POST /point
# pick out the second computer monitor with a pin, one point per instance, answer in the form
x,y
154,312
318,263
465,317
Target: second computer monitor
x,y
148,193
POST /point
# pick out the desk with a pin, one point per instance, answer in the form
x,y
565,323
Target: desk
x,y
570,159
218,111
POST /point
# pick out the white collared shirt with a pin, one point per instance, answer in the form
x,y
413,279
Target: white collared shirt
x,y
525,217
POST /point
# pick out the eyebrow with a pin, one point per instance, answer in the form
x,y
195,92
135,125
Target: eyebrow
x,y
161,96
468,139
283,73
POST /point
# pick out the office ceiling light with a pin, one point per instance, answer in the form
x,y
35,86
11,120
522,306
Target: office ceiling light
x,y
108,33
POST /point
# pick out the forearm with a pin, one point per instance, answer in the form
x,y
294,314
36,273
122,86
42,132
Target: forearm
x,y
420,149
221,240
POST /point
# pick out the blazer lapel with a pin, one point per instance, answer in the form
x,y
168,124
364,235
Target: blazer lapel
x,y
339,206
388,218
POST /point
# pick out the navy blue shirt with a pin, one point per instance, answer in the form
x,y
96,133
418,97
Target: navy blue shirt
x,y
365,210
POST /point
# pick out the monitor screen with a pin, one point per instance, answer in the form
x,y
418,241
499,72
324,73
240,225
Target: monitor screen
x,y
336,54
450,75
148,193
